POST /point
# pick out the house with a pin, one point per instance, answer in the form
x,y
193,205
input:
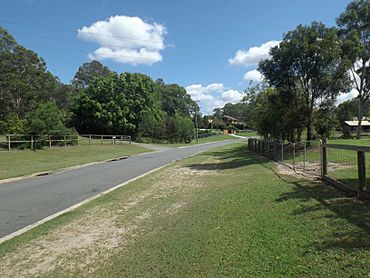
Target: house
x,y
230,120
351,126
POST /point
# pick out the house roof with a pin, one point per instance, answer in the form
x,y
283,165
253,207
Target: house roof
x,y
230,118
355,123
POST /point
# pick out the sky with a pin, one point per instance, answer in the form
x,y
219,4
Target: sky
x,y
210,47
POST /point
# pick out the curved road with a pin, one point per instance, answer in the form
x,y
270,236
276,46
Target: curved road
x,y
27,201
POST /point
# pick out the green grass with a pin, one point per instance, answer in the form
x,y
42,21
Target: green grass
x,y
25,162
247,133
342,163
215,138
222,213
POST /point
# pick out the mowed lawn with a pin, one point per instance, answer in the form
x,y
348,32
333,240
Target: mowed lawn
x,y
222,213
25,162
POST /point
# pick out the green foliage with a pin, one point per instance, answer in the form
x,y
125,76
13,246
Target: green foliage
x,y
46,119
324,123
115,104
184,129
354,33
87,72
25,81
12,124
174,99
308,63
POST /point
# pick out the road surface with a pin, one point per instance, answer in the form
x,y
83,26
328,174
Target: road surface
x,y
27,201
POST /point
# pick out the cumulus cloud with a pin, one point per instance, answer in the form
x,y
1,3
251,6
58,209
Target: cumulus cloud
x,y
213,96
125,39
253,75
253,55
343,97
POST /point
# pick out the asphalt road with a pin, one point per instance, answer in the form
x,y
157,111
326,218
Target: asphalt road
x,y
25,202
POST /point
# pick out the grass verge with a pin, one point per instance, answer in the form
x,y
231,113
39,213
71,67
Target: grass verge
x,y
215,138
19,163
221,213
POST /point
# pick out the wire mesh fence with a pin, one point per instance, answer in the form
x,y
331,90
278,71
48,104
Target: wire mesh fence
x,y
303,156
344,165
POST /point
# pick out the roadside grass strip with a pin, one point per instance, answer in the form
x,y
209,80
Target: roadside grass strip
x,y
26,162
225,212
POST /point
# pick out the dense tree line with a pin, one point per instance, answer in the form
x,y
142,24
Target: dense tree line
x,y
305,73
98,100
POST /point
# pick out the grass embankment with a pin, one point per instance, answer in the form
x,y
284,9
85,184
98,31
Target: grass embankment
x,y
221,213
215,138
247,133
25,162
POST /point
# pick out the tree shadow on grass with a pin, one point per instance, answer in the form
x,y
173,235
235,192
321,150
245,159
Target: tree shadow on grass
x,y
341,206
228,159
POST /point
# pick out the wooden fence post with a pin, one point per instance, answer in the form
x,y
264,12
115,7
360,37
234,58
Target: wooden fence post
x,y
282,151
49,142
101,139
31,142
89,139
361,165
304,156
65,142
8,137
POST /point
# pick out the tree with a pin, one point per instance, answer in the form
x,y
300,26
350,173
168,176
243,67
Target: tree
x,y
46,119
25,81
116,104
308,62
355,32
175,99
87,72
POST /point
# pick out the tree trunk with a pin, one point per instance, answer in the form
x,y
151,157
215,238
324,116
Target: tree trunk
x,y
309,130
359,117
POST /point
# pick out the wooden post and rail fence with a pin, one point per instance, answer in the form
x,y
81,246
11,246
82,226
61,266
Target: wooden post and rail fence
x,y
287,153
29,141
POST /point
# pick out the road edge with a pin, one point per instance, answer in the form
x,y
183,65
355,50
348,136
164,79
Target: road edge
x,y
75,206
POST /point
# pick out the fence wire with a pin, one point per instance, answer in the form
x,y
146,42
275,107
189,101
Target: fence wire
x,y
307,157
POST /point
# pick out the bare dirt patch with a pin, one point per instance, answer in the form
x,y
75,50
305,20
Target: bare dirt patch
x,y
95,235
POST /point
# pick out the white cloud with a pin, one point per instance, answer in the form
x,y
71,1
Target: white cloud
x,y
253,55
232,96
125,39
253,75
213,96
343,97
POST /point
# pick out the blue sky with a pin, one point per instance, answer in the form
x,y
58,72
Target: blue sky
x,y
206,46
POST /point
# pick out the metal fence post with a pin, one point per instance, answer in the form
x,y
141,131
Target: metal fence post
x,y
361,164
293,156
324,159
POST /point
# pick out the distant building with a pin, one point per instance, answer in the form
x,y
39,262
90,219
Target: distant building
x,y
351,126
230,120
